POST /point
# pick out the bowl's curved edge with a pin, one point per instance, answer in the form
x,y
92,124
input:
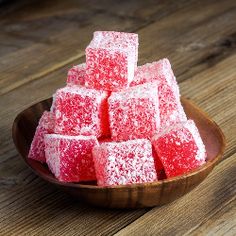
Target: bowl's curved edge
x,y
83,190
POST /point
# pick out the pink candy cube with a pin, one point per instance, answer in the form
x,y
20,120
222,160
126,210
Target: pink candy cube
x,y
134,113
70,157
76,75
157,70
45,126
111,59
171,110
180,149
124,162
79,110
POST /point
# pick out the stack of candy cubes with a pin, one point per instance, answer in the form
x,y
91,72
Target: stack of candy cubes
x,y
115,122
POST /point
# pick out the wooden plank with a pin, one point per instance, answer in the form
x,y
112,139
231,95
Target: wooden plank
x,y
50,212
147,10
194,209
186,44
221,223
59,48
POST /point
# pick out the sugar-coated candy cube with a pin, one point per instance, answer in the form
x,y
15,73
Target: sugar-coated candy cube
x,y
134,112
180,149
111,59
79,110
70,157
120,163
120,38
157,70
76,75
45,126
171,110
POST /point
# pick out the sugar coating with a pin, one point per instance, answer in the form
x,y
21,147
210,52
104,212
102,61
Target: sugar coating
x,y
134,113
111,59
118,39
171,110
180,149
45,126
157,70
52,108
120,163
76,75
79,110
70,157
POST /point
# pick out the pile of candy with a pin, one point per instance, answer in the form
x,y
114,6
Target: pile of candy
x,y
116,122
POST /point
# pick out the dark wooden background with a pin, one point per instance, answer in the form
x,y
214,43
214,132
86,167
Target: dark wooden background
x,y
41,40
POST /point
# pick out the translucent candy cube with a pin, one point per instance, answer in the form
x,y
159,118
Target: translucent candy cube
x,y
76,75
171,110
45,126
134,112
180,149
157,70
123,163
79,110
159,166
111,59
70,157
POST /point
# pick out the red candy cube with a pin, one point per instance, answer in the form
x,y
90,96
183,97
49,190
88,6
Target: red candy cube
x,y
180,149
45,126
79,110
134,113
171,110
70,157
111,59
76,75
124,162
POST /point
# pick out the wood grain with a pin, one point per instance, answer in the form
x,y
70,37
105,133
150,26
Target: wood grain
x,y
200,39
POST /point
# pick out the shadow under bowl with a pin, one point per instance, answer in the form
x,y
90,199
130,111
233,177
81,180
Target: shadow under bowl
x,y
127,196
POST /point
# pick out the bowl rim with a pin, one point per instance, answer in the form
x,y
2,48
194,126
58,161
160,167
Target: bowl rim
x,y
209,164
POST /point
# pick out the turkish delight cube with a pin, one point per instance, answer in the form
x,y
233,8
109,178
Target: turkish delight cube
x,y
180,149
134,112
79,110
157,70
120,38
121,163
45,126
70,157
111,59
171,110
76,75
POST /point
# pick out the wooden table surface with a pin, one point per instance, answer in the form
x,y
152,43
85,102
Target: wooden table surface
x,y
41,40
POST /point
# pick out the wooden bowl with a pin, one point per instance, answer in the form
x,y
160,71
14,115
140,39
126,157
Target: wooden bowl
x,y
127,196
